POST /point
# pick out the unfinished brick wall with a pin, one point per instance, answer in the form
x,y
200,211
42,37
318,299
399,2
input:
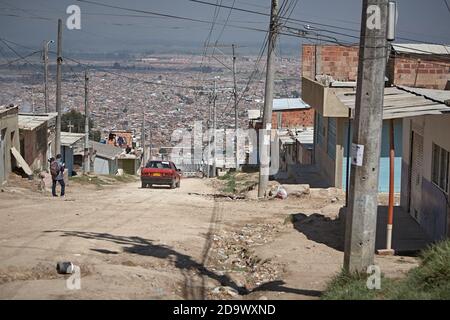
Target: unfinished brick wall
x,y
342,64
294,118
337,61
419,72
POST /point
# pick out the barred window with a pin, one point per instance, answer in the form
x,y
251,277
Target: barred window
x,y
439,172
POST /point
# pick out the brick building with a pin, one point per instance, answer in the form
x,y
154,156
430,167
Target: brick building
x,y
414,65
334,69
291,113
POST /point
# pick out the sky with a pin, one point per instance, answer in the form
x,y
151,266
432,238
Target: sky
x,y
29,22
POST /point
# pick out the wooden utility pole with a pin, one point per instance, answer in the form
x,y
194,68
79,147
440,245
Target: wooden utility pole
x,y
268,102
361,216
86,164
58,88
236,120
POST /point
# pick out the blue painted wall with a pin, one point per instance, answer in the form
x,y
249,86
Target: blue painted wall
x,y
383,185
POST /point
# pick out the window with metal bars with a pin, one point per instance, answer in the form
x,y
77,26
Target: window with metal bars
x,y
440,169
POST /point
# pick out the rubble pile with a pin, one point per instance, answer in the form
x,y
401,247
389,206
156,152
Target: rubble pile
x,y
233,256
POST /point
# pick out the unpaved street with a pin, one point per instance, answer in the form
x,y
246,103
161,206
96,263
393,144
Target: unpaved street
x,y
134,243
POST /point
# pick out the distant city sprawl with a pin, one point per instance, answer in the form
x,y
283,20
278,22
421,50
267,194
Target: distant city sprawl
x,y
171,90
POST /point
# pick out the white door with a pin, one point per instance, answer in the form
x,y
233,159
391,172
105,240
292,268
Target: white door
x,y
416,175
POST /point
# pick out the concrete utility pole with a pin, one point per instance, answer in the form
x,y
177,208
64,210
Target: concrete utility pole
x,y
236,120
45,58
268,102
361,217
86,164
208,129
143,139
58,88
214,130
150,142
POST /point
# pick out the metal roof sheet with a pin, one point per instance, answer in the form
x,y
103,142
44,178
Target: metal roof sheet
x,y
254,114
289,104
31,122
105,150
70,138
399,103
421,48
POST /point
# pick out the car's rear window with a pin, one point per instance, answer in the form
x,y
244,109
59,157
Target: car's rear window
x,y
158,165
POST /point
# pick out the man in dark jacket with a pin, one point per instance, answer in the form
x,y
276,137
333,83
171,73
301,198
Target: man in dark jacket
x,y
57,172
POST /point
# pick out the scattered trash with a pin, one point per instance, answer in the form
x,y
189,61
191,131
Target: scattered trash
x,y
227,290
281,193
65,267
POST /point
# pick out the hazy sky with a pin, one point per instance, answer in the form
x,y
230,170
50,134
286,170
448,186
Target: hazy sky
x,y
35,20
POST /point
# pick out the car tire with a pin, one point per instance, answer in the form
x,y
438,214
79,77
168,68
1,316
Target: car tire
x,y
150,185
144,185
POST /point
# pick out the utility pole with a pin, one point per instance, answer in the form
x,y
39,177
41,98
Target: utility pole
x,y
208,129
45,58
58,88
143,139
236,120
214,129
86,165
268,102
361,218
150,142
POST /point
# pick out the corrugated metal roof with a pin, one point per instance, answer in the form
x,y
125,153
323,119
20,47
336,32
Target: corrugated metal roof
x,y
399,103
421,48
439,95
31,122
289,104
105,150
70,138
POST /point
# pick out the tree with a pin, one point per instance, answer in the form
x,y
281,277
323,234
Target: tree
x,y
76,119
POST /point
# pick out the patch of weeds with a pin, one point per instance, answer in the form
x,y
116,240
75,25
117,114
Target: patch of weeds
x,y
86,179
230,182
430,280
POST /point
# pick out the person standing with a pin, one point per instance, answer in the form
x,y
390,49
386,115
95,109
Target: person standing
x,y
57,172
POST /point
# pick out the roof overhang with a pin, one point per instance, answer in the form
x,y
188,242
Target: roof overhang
x,y
400,102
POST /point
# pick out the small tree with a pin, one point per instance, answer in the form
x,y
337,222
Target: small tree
x,y
76,120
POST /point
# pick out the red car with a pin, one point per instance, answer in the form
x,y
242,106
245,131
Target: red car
x,y
160,173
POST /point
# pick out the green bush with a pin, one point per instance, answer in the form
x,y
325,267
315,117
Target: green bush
x,y
430,280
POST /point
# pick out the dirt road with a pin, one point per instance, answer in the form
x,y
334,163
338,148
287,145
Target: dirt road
x,y
134,243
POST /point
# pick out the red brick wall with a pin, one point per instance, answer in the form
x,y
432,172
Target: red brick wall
x,y
294,118
337,61
342,64
415,72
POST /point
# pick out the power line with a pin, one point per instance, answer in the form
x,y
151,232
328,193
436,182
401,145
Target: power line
x,y
447,5
302,21
19,59
18,54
